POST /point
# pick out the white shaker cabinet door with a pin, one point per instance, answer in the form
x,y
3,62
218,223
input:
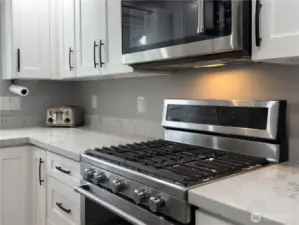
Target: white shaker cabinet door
x,y
30,39
66,38
113,61
63,204
15,192
275,24
90,36
39,186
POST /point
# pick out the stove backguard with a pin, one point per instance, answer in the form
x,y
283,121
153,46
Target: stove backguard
x,y
256,128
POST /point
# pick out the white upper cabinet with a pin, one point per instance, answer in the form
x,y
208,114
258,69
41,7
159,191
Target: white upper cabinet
x,y
113,47
66,38
99,38
90,36
61,39
276,24
26,39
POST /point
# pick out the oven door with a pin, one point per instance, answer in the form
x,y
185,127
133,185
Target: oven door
x,y
101,207
163,30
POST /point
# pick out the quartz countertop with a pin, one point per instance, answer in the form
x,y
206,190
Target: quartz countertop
x,y
267,196
68,142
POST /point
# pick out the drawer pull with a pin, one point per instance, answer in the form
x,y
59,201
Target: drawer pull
x,y
62,170
62,208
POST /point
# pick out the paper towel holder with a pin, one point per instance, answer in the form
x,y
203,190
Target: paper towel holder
x,y
18,90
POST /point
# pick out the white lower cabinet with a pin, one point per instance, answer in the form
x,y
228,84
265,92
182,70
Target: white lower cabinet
x,y
39,187
15,184
63,203
29,195
204,218
63,169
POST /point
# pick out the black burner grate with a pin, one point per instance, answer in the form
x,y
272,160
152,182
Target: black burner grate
x,y
180,163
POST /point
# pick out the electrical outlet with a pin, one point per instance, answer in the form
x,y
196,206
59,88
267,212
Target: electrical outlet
x,y
10,103
141,104
94,101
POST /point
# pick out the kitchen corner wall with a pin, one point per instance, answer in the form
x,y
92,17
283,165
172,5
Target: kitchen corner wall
x,y
43,94
117,99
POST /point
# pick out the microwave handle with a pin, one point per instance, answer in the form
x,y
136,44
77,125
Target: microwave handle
x,y
82,190
201,16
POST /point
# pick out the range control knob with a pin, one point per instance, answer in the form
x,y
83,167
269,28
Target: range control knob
x,y
50,120
67,120
99,178
156,203
88,174
118,185
140,195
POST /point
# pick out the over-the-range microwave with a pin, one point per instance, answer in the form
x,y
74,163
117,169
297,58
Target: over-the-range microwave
x,y
185,33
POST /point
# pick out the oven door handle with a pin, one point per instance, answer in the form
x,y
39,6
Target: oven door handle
x,y
83,191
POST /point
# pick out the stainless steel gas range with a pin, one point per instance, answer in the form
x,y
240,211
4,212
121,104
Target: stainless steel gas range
x,y
148,182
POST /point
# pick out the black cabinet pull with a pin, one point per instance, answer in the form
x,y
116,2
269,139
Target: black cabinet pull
x,y
94,54
62,170
101,60
40,171
70,58
62,208
258,39
18,60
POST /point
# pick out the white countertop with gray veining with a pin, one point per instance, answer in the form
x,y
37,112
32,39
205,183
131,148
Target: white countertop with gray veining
x,y
268,196
68,142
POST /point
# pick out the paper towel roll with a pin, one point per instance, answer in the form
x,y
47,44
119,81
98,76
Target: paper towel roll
x,y
19,90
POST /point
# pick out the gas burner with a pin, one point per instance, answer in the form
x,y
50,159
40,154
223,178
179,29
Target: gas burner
x,y
176,162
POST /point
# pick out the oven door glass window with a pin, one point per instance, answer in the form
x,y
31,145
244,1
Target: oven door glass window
x,y
157,24
98,215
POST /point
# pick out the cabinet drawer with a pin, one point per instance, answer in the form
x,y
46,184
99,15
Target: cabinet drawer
x,y
63,169
63,203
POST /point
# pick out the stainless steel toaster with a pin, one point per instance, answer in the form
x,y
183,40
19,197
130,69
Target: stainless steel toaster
x,y
72,116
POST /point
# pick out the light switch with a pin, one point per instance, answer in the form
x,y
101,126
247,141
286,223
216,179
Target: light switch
x,y
141,104
94,101
10,103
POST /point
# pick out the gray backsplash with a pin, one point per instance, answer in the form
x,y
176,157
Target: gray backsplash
x,y
117,99
43,94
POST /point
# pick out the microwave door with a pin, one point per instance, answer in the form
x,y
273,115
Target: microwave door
x,y
163,30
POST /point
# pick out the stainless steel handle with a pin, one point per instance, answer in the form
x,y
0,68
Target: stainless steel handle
x,y
70,59
40,172
19,60
101,57
82,190
201,16
95,45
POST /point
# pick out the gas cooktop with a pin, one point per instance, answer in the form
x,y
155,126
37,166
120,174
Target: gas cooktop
x,y
203,141
179,163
